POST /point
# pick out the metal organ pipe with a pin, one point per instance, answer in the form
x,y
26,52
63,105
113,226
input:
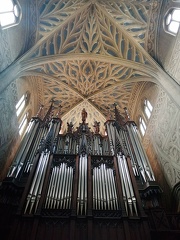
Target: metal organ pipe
x,y
40,134
104,189
36,186
134,164
21,155
110,137
82,186
59,192
127,187
148,168
138,156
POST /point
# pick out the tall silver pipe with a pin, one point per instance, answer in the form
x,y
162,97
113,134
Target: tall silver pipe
x,y
138,147
67,193
34,198
63,184
110,139
150,171
71,182
110,189
79,186
122,185
82,186
138,156
127,188
24,150
33,183
52,188
134,164
56,186
115,193
86,178
36,184
98,189
42,180
94,193
112,130
130,186
36,145
107,188
60,185
49,189
66,188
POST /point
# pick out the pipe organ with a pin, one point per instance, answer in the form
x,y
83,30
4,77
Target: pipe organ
x,y
82,175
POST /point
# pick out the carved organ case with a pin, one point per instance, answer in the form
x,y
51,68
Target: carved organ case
x,y
81,184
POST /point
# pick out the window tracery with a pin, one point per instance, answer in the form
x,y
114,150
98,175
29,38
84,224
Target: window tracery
x,y
21,112
172,21
143,120
10,13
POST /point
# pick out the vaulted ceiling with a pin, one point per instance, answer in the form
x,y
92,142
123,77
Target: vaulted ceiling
x,y
91,54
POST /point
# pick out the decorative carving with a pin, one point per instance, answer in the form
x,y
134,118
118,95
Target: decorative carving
x,y
131,15
96,162
5,53
69,160
107,214
56,213
91,31
165,136
53,14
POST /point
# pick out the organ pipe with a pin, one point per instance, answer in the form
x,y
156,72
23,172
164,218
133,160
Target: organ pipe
x,y
128,192
36,186
104,189
44,140
82,186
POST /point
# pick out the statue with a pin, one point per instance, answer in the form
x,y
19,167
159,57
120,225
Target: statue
x,y
84,115
70,127
96,127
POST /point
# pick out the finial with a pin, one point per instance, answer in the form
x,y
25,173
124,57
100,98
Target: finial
x,y
58,114
39,111
109,115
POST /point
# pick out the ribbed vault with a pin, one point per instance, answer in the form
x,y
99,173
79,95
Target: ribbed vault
x,y
90,54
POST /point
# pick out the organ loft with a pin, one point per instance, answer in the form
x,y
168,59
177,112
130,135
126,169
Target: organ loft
x,y
80,184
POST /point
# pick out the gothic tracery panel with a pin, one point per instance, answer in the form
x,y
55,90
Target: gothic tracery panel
x,y
91,31
54,13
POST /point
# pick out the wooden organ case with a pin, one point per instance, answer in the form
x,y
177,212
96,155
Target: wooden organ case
x,y
78,185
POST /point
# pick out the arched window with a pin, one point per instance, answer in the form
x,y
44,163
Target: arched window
x,y
142,125
143,120
23,124
172,21
20,112
147,108
10,13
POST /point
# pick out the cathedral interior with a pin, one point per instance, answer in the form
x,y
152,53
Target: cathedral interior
x,y
90,119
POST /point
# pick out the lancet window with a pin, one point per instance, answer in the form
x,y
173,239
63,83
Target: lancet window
x,y
22,115
143,120
10,13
